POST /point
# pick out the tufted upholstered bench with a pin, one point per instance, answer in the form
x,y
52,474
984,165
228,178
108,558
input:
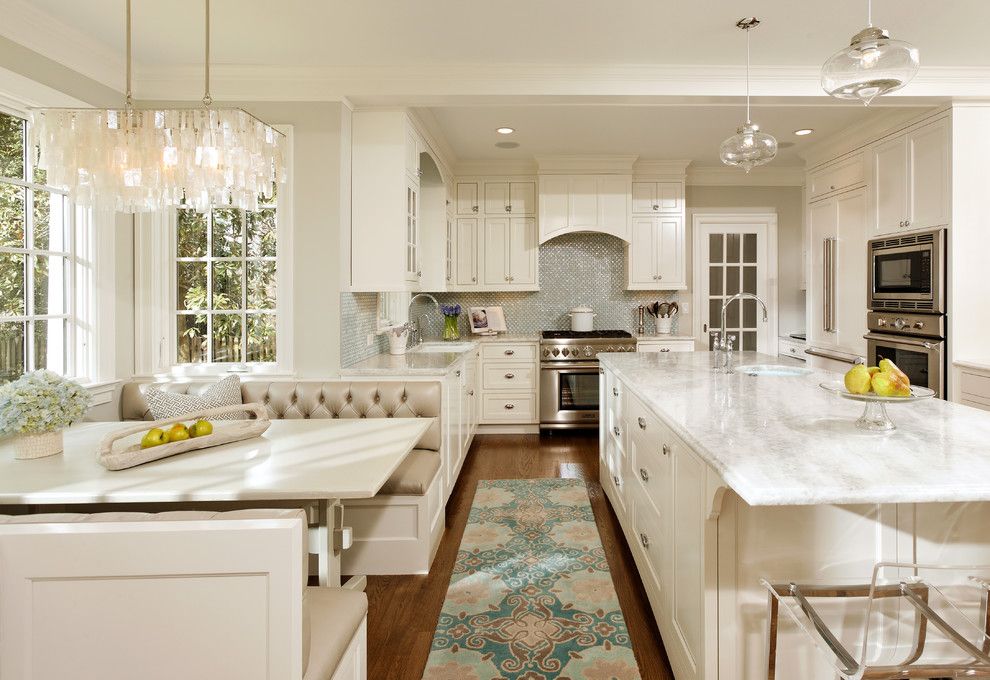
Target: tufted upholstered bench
x,y
113,570
399,530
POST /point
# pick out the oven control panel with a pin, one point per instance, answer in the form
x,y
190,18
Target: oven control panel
x,y
900,323
581,352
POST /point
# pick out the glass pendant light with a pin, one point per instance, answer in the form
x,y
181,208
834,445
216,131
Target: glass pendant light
x,y
873,64
144,160
749,147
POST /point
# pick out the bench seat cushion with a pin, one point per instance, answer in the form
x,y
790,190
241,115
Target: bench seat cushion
x,y
334,616
414,474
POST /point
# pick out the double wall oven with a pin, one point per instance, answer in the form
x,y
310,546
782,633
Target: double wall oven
x,y
906,321
569,375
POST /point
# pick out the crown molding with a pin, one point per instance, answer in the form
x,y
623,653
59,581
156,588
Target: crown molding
x,y
495,167
766,176
675,169
615,164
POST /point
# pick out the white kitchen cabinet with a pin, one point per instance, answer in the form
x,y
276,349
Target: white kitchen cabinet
x,y
467,198
910,180
661,345
845,173
510,252
413,270
450,262
657,254
414,146
466,260
574,203
837,295
687,613
514,198
657,197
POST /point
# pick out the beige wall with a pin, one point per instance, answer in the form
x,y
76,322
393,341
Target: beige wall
x,y
788,203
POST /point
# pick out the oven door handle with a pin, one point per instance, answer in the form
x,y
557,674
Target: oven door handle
x,y
897,340
586,366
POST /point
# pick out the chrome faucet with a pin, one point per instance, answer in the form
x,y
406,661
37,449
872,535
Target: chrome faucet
x,y
417,331
723,341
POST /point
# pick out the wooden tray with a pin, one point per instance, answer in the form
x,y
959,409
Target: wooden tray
x,y
129,453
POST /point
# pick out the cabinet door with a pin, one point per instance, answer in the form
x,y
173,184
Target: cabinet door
x,y
822,225
888,193
670,255
496,198
928,182
644,197
466,263
670,196
522,198
643,253
851,268
496,244
582,203
467,198
413,147
450,253
413,272
554,203
688,584
522,251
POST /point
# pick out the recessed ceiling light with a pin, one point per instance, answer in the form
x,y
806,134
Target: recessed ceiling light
x,y
505,130
803,131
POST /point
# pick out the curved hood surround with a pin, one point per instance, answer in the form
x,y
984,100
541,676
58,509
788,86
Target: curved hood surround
x,y
592,193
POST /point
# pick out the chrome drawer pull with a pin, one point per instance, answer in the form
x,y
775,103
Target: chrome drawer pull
x,y
509,407
642,423
616,431
644,474
510,376
666,449
509,352
645,540
457,373
664,349
615,391
615,478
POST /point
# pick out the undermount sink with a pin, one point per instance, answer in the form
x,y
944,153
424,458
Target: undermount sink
x,y
443,347
777,370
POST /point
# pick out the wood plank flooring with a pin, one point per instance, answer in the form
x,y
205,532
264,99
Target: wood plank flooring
x,y
403,610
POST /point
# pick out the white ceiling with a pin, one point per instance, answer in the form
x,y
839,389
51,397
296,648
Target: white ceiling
x,y
405,32
652,132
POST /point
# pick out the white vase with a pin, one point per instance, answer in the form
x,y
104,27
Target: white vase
x,y
397,342
664,325
27,446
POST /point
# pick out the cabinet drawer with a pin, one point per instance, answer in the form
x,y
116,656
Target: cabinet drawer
x,y
843,175
510,376
975,387
666,346
509,408
794,350
519,351
650,548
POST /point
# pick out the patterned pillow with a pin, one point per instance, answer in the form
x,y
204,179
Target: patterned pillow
x,y
164,405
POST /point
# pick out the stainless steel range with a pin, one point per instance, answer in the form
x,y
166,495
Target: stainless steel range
x,y
569,375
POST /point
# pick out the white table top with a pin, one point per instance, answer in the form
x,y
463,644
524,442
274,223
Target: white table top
x,y
293,460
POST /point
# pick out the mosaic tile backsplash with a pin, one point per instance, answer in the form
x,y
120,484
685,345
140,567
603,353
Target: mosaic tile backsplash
x,y
358,318
576,269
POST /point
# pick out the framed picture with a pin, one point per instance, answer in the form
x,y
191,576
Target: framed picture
x,y
488,320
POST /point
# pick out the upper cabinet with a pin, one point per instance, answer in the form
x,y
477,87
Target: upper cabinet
x,y
844,174
510,253
467,198
910,179
657,255
514,198
657,197
573,203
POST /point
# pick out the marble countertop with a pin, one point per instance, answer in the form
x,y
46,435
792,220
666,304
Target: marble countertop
x,y
505,337
412,363
786,441
661,338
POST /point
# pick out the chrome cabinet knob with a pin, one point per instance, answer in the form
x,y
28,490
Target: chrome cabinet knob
x,y
831,187
509,352
470,393
508,208
665,450
645,540
664,349
615,391
510,376
656,207
509,407
644,475
615,478
457,373
642,423
474,209
615,431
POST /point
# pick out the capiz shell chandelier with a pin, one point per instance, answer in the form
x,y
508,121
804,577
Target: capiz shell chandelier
x,y
749,147
144,160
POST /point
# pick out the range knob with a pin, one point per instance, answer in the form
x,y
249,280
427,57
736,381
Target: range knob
x,y
587,351
881,322
919,324
900,323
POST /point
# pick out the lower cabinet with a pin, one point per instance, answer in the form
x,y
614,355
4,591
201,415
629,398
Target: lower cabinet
x,y
661,345
509,382
657,487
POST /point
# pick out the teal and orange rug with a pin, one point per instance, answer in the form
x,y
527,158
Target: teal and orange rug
x,y
531,596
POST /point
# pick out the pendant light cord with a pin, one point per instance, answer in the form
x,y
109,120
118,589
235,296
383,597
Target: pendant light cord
x,y
748,121
869,13
207,97
128,98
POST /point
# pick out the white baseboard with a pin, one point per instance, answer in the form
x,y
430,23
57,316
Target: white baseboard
x,y
508,429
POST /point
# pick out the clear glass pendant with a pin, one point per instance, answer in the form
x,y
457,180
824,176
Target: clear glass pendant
x,y
872,65
748,148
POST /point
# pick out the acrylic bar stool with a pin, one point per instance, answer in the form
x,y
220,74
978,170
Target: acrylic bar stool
x,y
910,621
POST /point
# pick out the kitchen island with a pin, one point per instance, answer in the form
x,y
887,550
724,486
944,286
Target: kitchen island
x,y
721,479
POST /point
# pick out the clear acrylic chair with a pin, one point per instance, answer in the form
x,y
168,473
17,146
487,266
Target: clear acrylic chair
x,y
909,621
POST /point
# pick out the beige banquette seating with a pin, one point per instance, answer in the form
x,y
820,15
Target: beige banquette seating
x,y
399,530
190,595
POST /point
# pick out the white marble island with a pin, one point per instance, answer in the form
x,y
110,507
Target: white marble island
x,y
719,480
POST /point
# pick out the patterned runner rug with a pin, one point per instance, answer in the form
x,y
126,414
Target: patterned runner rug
x,y
531,596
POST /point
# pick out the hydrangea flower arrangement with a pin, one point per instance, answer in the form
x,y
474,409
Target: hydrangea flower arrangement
x,y
39,402
451,313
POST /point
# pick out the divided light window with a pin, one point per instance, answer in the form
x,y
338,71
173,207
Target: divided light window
x,y
36,263
225,286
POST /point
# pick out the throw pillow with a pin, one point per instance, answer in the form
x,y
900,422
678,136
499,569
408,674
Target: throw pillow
x,y
226,392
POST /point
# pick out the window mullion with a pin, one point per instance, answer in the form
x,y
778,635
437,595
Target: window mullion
x,y
209,288
244,282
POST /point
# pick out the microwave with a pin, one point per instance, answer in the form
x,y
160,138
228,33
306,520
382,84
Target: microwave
x,y
907,272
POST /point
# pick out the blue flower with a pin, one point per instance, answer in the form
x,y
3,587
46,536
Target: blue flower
x,y
450,310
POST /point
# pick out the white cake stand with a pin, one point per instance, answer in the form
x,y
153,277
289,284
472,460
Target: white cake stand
x,y
875,418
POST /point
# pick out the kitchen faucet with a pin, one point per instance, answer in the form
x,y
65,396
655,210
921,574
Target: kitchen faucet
x,y
416,330
723,342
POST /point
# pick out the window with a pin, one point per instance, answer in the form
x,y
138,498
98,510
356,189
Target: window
x,y
36,262
225,283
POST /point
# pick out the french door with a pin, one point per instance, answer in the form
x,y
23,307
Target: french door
x,y
736,253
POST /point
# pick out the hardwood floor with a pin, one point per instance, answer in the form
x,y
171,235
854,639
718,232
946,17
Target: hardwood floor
x,y
403,610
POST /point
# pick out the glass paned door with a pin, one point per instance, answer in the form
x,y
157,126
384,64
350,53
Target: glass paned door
x,y
733,258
